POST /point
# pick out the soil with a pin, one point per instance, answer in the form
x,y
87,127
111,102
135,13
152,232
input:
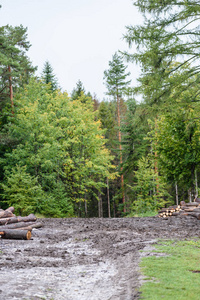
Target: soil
x,y
85,259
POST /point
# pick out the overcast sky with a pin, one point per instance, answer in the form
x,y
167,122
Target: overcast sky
x,y
77,37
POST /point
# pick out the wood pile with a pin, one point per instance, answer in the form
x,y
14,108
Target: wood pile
x,y
16,227
184,209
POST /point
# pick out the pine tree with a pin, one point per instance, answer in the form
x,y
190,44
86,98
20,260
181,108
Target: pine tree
x,y
49,77
15,68
115,79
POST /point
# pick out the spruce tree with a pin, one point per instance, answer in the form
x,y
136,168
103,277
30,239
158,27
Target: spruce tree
x,y
49,77
116,83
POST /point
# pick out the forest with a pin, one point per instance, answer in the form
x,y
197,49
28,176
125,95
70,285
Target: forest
x,y
77,156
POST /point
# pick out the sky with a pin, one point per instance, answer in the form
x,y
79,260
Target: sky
x,y
77,37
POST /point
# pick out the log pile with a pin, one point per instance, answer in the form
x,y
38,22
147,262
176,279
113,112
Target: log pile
x,y
184,209
16,227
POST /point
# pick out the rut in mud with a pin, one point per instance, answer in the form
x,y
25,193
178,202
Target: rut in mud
x,y
81,259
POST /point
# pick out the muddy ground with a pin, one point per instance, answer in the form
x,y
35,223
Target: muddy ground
x,y
85,259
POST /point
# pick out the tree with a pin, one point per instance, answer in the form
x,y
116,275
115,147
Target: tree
x,y
49,77
115,79
61,145
170,34
16,68
79,91
176,140
147,198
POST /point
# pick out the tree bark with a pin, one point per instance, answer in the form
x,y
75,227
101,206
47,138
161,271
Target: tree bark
x,y
108,194
100,205
20,225
30,218
16,234
176,186
196,185
6,214
11,90
120,151
86,210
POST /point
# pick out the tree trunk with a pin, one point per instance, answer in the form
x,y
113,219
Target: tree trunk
x,y
176,186
100,205
190,195
30,218
11,90
120,151
86,211
20,225
196,185
108,194
16,234
6,214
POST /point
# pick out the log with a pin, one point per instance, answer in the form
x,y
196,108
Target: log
x,y
197,210
163,210
197,200
6,214
175,214
192,204
8,220
15,234
190,209
21,225
11,208
30,218
196,215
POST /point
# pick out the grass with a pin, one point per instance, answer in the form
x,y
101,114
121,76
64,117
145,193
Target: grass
x,y
142,215
175,276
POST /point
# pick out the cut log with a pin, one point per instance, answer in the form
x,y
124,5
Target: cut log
x,y
6,214
192,204
175,213
189,209
8,220
30,218
197,200
11,208
196,215
20,225
163,210
15,234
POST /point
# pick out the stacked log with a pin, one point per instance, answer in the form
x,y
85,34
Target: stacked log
x,y
184,209
16,227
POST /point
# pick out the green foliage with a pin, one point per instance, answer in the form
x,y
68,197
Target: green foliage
x,y
79,91
176,139
115,77
22,191
61,145
169,34
13,48
48,76
169,277
150,189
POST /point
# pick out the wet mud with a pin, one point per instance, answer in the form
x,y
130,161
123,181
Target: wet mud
x,y
81,259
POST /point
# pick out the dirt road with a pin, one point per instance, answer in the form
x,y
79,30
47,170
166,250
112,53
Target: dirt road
x,y
84,259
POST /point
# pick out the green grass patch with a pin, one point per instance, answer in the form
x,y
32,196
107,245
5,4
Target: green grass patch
x,y
175,276
142,215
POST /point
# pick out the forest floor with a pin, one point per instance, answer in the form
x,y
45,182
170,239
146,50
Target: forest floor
x,y
85,259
